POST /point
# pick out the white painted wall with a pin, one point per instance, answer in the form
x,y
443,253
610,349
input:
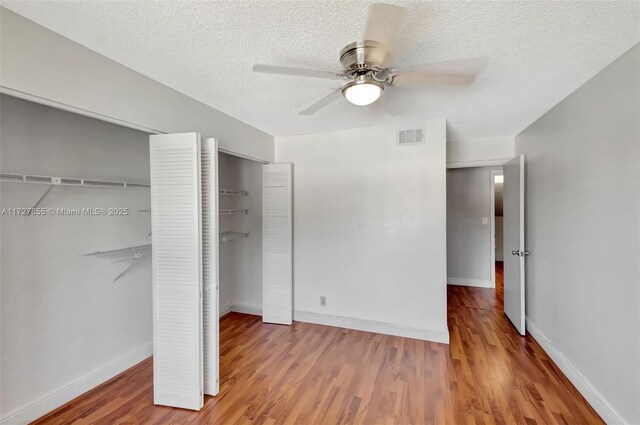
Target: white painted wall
x,y
480,152
468,238
583,230
241,259
45,67
65,325
370,230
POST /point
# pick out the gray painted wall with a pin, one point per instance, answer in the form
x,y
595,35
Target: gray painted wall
x,y
62,316
468,239
583,229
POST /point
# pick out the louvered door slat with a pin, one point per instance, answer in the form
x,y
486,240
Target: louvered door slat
x,y
209,178
176,262
277,283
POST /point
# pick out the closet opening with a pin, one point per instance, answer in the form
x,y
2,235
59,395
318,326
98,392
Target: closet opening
x,y
222,238
240,227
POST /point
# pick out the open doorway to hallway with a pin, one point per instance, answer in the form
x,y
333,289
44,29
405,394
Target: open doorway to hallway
x,y
496,261
474,237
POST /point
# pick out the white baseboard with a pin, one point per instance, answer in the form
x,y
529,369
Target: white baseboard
x,y
588,391
354,323
386,328
247,309
63,395
252,309
224,309
469,282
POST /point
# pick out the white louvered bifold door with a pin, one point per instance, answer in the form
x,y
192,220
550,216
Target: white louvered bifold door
x,y
176,270
210,337
277,232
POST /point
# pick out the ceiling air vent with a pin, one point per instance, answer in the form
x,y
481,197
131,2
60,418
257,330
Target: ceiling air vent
x,y
411,136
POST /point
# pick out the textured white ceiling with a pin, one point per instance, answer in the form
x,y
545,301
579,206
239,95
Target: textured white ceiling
x,y
539,53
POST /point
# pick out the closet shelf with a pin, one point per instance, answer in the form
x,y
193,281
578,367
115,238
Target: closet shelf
x,y
66,181
53,181
232,236
124,254
230,211
235,192
131,254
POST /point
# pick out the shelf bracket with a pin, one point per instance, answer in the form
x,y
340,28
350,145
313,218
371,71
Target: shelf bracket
x,y
44,195
124,271
131,254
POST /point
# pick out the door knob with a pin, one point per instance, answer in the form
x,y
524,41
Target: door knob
x,y
519,253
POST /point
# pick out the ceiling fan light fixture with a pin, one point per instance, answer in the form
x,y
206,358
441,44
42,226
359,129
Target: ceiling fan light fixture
x,y
362,91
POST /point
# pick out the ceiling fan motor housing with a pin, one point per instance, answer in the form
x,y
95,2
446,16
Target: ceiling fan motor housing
x,y
362,57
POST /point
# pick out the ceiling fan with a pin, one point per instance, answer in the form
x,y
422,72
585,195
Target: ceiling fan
x,y
368,65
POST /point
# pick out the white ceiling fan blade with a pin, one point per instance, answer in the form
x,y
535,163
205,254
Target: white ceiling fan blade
x,y
330,98
411,33
383,24
302,72
461,72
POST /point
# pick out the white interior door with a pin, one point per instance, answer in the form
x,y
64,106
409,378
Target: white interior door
x,y
277,244
514,248
210,269
176,270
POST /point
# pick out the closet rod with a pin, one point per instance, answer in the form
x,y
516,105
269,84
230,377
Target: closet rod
x,y
66,181
236,192
230,211
231,236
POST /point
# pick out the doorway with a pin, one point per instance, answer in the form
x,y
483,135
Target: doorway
x,y
474,279
497,245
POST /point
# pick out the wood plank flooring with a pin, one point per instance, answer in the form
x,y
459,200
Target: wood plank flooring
x,y
310,374
485,298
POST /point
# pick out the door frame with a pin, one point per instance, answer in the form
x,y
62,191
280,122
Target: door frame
x,y
492,220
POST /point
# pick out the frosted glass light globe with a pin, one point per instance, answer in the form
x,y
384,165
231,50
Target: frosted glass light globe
x,y
362,92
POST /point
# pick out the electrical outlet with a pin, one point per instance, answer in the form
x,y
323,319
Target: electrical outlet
x,y
323,301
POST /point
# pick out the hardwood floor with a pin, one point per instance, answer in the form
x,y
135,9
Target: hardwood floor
x,y
310,374
485,298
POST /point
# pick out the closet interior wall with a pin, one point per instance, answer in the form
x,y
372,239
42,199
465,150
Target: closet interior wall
x,y
241,259
64,314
